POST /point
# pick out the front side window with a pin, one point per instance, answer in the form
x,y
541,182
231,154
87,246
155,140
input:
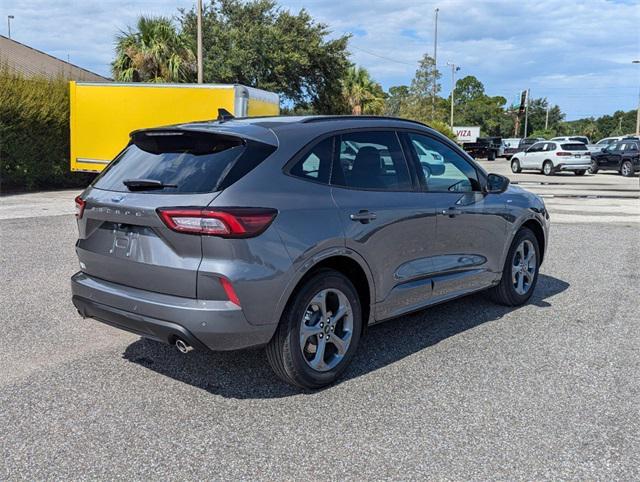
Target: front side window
x,y
371,160
443,168
315,165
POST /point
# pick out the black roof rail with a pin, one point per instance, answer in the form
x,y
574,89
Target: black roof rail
x,y
323,118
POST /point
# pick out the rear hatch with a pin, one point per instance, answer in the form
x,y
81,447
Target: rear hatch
x,y
122,237
574,153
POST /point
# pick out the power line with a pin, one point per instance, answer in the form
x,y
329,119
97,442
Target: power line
x,y
413,64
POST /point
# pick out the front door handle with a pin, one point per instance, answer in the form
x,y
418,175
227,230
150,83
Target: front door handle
x,y
451,212
364,216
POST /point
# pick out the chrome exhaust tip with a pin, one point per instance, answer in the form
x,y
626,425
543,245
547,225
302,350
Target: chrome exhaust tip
x,y
182,346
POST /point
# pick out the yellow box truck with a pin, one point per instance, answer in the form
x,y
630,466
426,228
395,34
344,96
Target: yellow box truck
x,y
104,113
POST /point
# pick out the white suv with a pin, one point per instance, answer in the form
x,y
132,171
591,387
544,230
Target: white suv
x,y
550,157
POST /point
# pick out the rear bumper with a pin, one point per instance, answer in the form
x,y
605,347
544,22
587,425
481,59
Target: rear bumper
x,y
573,167
204,324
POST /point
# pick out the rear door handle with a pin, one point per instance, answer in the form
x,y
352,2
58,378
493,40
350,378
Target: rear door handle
x,y
364,216
451,212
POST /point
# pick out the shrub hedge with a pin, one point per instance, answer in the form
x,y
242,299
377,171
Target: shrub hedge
x,y
34,134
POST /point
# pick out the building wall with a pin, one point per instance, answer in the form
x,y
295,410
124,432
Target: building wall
x,y
31,62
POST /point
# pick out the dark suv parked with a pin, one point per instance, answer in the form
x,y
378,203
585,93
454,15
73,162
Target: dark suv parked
x,y
296,233
622,156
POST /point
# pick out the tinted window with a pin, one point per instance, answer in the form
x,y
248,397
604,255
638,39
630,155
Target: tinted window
x,y
182,172
316,164
550,146
443,168
584,140
576,146
536,147
632,146
371,160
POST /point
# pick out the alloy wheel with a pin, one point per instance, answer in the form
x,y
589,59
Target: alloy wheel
x,y
523,267
326,329
626,169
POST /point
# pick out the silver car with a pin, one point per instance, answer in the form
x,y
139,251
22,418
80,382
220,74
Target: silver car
x,y
296,233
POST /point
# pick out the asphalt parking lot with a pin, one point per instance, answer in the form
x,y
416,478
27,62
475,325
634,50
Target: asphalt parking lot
x,y
466,390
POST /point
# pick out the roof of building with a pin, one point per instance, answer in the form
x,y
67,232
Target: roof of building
x,y
31,62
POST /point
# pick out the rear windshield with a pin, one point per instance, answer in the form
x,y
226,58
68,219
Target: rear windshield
x,y
584,140
578,146
188,167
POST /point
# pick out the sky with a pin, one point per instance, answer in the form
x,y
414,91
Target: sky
x,y
577,54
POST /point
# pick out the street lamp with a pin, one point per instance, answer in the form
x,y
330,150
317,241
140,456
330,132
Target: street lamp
x,y
454,69
638,113
9,18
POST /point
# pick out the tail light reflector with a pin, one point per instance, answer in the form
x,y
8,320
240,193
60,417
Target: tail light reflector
x,y
226,223
80,204
228,289
563,154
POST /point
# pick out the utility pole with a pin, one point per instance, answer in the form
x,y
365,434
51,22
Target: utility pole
x,y
454,69
435,64
526,113
638,113
9,18
546,119
199,41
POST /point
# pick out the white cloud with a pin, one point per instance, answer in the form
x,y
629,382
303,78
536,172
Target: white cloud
x,y
577,54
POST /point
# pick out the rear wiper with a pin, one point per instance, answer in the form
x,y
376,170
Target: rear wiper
x,y
143,184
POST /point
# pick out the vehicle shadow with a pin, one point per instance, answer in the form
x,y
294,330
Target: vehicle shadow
x,y
246,374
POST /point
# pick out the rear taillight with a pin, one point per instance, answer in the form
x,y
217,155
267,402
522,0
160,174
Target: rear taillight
x,y
80,203
226,223
563,154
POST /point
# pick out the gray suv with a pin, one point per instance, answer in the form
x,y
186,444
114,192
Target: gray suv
x,y
296,233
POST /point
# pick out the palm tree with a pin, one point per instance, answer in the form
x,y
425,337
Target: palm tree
x,y
360,91
154,52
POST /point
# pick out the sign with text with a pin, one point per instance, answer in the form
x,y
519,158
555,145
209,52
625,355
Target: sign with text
x,y
467,134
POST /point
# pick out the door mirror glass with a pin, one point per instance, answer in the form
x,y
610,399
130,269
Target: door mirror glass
x,y
497,183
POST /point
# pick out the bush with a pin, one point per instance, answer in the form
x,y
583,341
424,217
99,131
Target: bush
x,y
34,134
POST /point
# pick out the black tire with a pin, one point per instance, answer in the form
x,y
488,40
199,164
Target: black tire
x,y
580,172
626,169
504,293
547,168
284,351
594,168
515,166
491,156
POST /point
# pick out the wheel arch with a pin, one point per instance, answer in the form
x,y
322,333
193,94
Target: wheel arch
x,y
345,262
537,229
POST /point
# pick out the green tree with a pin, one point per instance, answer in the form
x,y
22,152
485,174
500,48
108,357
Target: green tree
x,y
396,100
423,95
538,114
361,93
258,44
472,106
153,52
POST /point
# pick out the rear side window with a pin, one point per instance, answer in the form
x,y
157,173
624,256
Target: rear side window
x,y
315,165
190,163
371,160
577,146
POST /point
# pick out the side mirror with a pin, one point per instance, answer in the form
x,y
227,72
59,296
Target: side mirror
x,y
497,184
